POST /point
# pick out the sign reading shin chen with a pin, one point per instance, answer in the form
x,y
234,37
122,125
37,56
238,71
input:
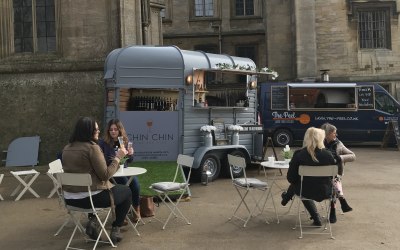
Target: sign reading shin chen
x,y
154,134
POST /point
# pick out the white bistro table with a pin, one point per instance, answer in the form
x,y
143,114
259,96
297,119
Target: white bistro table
x,y
131,172
276,165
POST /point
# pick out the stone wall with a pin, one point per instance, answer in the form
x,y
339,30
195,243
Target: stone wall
x,y
45,93
48,105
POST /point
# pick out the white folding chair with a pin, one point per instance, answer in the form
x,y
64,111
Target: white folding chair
x,y
84,180
244,187
1,179
165,189
26,182
323,172
54,168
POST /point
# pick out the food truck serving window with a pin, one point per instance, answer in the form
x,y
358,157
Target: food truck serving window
x,y
322,96
220,88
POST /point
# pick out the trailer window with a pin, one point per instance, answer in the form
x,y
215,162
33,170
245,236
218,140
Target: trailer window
x,y
220,89
321,98
384,103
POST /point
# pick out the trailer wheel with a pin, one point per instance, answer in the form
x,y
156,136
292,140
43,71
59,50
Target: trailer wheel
x,y
282,137
237,172
211,162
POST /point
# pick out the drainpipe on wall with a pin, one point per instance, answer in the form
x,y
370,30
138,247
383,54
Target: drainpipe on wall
x,y
218,26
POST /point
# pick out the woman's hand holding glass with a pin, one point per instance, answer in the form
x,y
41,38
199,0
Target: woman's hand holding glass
x,y
121,152
130,149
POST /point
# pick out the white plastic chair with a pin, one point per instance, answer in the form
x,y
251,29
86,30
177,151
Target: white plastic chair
x,y
246,186
316,171
84,180
165,189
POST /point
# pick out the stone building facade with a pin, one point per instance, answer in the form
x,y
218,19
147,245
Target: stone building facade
x,y
52,55
357,40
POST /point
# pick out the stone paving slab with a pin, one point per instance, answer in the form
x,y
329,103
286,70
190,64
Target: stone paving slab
x,y
371,185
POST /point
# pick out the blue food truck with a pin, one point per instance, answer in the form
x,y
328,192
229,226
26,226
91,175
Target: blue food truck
x,y
360,111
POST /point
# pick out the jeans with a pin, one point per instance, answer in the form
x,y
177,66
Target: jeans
x,y
122,201
134,186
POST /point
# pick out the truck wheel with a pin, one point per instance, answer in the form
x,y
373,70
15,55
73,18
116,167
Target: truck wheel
x,y
282,137
211,162
236,172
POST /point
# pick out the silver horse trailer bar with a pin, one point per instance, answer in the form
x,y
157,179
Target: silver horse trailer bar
x,y
164,95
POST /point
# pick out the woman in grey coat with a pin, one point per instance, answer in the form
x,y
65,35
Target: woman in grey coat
x,y
337,148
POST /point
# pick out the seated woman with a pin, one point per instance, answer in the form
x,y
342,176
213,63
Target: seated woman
x,y
338,149
83,155
313,153
110,145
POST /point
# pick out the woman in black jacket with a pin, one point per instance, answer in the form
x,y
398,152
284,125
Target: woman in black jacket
x,y
313,153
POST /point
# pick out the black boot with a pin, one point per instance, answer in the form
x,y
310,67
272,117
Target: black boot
x,y
93,228
285,198
115,235
345,207
332,214
312,210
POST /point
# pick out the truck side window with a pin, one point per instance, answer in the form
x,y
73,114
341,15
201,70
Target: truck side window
x,y
384,103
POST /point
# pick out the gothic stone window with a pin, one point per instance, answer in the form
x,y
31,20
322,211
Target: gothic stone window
x,y
373,21
204,8
374,29
244,7
34,26
201,10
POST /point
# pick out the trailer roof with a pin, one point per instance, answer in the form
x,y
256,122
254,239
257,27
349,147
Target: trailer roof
x,y
145,66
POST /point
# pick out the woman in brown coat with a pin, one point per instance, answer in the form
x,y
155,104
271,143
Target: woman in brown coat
x,y
83,155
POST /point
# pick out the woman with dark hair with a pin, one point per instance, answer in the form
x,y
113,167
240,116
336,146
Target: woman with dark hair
x,y
83,155
110,145
313,153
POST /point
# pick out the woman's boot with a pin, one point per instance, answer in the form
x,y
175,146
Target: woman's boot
x,y
332,214
115,235
345,207
312,210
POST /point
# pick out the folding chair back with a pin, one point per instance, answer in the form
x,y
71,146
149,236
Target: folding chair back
x,y
165,189
236,162
23,151
54,168
316,171
83,180
244,186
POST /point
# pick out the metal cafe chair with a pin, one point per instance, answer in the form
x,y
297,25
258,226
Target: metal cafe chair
x,y
315,171
164,190
84,180
245,188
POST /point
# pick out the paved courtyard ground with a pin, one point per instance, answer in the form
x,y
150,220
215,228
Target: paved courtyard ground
x,y
371,185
